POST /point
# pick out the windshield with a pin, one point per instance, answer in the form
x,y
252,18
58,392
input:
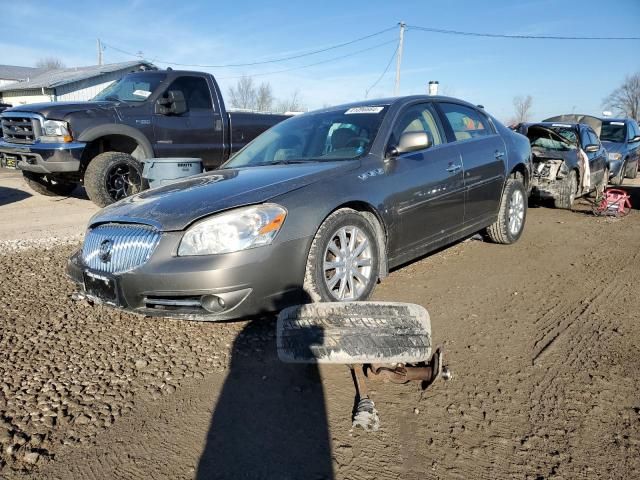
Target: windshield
x,y
324,136
548,140
613,132
134,87
568,133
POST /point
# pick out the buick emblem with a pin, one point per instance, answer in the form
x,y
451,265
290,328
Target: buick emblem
x,y
105,251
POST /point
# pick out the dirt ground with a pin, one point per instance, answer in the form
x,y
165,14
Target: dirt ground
x,y
543,339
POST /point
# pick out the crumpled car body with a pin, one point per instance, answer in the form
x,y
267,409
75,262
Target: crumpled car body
x,y
556,151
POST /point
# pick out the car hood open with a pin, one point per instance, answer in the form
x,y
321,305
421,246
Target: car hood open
x,y
177,205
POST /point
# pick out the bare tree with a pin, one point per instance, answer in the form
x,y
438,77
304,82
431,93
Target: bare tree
x,y
522,106
625,99
243,95
50,63
264,97
291,104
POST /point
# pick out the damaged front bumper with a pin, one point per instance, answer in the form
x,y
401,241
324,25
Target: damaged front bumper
x,y
547,178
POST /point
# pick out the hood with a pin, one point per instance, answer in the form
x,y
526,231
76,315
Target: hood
x,y
58,110
177,205
614,147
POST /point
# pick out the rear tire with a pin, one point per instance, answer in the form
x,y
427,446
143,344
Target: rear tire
x,y
512,214
354,332
568,191
341,267
48,186
112,176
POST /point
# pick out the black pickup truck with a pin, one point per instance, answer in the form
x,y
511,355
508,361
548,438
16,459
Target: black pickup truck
x,y
102,143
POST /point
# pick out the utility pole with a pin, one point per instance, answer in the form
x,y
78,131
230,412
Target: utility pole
x,y
99,44
396,88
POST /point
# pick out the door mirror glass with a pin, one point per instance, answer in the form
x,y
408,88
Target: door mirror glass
x,y
412,141
591,148
171,103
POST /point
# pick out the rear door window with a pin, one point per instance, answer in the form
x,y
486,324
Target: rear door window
x,y
466,123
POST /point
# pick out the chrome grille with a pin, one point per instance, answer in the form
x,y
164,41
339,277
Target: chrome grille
x,y
119,247
20,127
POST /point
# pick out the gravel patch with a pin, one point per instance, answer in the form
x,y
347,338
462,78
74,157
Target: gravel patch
x,y
70,369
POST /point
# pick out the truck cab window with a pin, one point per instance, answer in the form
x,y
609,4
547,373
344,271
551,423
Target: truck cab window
x,y
195,90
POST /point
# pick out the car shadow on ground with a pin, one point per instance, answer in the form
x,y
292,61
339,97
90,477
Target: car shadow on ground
x,y
270,421
12,195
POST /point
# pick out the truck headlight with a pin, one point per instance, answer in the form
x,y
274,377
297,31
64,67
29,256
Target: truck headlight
x,y
232,231
615,156
55,131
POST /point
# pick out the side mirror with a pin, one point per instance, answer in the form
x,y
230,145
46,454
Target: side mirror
x,y
591,148
412,141
635,139
172,103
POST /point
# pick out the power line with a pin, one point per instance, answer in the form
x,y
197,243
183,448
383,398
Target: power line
x,y
262,62
312,64
386,69
501,35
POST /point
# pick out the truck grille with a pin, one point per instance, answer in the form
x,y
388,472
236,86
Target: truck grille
x,y
119,247
20,127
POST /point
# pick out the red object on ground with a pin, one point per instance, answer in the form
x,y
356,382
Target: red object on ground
x,y
614,202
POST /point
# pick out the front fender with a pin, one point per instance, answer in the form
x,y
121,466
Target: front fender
x,y
98,131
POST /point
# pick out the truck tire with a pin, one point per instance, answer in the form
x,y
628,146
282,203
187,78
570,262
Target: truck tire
x,y
337,269
512,214
48,186
112,176
568,191
354,333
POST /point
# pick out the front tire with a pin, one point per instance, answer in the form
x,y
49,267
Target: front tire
x,y
568,191
512,215
48,186
343,262
112,176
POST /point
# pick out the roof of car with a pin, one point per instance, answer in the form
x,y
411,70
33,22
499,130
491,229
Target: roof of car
x,y
395,100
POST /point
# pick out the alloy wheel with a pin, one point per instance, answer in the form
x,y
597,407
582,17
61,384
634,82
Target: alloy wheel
x,y
516,212
122,181
347,263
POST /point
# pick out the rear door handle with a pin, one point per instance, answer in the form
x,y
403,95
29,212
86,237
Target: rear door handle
x,y
499,155
454,168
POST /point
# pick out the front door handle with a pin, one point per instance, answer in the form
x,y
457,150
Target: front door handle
x,y
454,168
499,154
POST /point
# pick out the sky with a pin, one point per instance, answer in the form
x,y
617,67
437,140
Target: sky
x,y
561,76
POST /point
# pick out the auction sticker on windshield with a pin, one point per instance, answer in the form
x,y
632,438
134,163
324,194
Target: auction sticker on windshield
x,y
141,93
364,110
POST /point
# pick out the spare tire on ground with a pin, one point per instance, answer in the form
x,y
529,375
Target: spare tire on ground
x,y
354,333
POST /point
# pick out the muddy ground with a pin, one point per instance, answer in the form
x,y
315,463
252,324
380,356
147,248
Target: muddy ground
x,y
543,338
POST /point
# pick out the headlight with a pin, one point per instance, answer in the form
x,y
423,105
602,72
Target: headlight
x,y
55,131
615,156
232,231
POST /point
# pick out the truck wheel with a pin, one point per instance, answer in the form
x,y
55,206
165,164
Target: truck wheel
x,y
343,259
512,214
354,332
112,176
48,186
568,191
